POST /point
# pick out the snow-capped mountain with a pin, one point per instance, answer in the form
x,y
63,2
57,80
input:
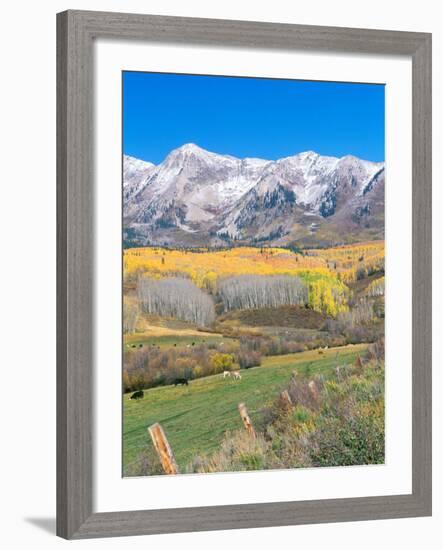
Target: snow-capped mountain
x,y
196,198
135,174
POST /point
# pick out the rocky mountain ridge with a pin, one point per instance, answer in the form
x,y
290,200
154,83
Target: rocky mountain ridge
x,y
199,198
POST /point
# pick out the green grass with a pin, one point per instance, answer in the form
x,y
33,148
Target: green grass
x,y
196,417
168,341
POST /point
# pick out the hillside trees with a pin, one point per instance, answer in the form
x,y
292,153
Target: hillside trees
x,y
176,297
255,291
130,317
376,288
186,284
326,298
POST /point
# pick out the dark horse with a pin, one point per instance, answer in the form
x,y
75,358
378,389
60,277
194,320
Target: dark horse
x,y
138,395
181,381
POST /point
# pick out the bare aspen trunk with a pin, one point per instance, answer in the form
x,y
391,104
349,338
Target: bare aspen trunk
x,y
246,420
163,449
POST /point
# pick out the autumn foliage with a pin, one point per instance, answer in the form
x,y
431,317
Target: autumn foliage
x,y
352,262
318,281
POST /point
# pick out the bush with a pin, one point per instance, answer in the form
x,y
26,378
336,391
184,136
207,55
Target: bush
x,y
238,452
146,464
248,359
344,426
150,366
221,362
354,438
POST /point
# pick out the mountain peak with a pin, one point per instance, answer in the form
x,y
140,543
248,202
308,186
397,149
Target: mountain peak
x,y
351,158
190,148
305,154
128,160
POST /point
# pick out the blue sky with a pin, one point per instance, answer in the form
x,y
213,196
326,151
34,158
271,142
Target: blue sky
x,y
251,117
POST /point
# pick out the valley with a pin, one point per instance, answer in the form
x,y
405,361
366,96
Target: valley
x,y
195,314
245,280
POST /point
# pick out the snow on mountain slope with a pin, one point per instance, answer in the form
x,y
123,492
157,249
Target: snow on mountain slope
x,y
209,196
135,173
198,183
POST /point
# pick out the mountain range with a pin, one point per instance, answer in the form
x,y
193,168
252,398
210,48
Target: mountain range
x,y
199,198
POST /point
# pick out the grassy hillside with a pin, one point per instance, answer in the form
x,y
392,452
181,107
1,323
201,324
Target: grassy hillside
x,y
168,340
196,417
283,316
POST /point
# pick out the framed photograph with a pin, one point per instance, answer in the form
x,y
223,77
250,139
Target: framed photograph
x,y
244,274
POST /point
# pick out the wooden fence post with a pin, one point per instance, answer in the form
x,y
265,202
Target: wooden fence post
x,y
163,449
313,389
246,420
286,397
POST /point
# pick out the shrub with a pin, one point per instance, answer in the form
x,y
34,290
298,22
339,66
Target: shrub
x,y
248,359
301,394
147,463
356,437
221,362
238,452
150,366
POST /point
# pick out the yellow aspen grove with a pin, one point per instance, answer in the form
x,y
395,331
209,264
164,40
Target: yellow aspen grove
x,y
324,272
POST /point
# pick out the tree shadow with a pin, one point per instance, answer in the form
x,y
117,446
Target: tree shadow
x,y
45,524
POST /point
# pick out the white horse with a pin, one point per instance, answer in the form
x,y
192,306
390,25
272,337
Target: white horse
x,y
236,375
226,374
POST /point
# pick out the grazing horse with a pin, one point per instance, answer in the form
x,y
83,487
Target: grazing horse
x,y
181,382
236,375
137,395
226,374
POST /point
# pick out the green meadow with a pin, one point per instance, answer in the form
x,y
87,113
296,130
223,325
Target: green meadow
x,y
196,417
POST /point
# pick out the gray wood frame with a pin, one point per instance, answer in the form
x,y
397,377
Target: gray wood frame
x,y
76,31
